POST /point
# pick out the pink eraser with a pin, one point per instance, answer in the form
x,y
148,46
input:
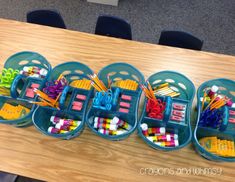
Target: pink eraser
x,y
124,104
178,113
231,120
123,110
77,103
231,112
29,93
126,97
178,106
176,118
77,108
81,97
35,85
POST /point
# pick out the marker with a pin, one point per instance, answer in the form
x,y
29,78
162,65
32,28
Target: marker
x,y
173,143
65,127
163,138
55,119
121,123
144,128
105,126
55,130
102,120
213,91
69,122
161,130
111,132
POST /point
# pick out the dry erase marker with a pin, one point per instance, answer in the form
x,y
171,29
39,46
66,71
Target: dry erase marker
x,y
173,143
111,132
105,126
55,130
121,123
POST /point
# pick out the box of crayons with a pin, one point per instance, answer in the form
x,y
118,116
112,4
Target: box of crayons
x,y
63,101
22,73
165,120
214,134
114,111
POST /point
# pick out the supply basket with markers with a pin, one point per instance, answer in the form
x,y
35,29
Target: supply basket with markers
x,y
114,111
22,72
63,101
165,120
214,133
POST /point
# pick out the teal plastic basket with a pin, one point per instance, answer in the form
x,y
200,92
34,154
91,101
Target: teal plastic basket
x,y
185,87
118,71
227,87
21,82
41,117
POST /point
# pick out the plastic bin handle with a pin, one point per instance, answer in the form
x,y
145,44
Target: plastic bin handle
x,y
14,85
168,108
63,97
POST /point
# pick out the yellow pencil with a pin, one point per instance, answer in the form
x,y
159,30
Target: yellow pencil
x,y
203,100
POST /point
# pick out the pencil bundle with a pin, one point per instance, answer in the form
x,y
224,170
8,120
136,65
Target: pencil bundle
x,y
97,83
148,91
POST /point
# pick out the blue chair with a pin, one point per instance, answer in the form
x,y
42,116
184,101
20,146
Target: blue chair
x,y
113,27
180,39
46,17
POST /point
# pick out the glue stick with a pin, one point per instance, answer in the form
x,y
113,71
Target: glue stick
x,y
69,122
102,120
121,123
173,143
111,132
213,91
55,119
55,130
65,127
144,128
105,126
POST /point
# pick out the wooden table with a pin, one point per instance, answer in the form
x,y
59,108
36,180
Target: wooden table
x,y
25,151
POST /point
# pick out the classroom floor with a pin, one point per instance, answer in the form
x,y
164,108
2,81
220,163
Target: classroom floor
x,y
211,20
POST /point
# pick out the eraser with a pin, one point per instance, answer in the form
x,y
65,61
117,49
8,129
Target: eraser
x,y
126,97
232,113
178,106
29,93
125,104
124,110
176,118
77,108
80,97
178,113
231,120
77,103
35,85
